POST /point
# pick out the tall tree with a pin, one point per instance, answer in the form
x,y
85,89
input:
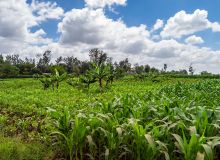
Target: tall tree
x,y
165,67
154,70
1,59
138,69
191,69
101,65
59,60
44,62
183,71
70,63
97,56
125,65
13,59
146,68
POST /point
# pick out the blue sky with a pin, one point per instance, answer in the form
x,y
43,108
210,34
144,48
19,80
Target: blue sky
x,y
146,12
176,32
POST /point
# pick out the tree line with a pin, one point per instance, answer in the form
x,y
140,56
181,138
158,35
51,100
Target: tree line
x,y
14,66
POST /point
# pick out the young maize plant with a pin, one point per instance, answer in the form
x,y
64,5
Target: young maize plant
x,y
168,123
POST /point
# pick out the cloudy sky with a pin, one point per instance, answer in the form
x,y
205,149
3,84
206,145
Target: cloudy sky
x,y
176,32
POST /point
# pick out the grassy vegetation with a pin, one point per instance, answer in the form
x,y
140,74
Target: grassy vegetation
x,y
167,118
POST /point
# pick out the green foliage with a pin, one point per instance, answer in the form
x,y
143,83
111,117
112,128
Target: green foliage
x,y
87,79
14,149
170,119
7,70
57,68
100,72
97,73
56,78
53,80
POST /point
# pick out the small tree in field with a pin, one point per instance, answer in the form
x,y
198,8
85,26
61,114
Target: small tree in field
x,y
111,75
87,79
51,80
147,68
191,69
100,66
44,62
165,67
100,73
56,78
99,69
46,82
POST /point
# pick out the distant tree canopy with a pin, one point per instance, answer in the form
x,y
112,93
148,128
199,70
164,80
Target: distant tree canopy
x,y
205,73
14,66
97,56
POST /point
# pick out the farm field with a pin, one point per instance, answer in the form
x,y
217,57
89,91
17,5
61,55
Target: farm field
x,y
109,80
173,118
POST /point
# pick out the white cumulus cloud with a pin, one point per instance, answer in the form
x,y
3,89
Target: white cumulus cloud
x,y
17,17
103,3
194,40
46,10
92,27
182,24
158,25
87,28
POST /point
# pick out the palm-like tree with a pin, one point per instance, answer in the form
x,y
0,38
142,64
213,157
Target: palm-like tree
x,y
56,78
100,72
87,79
111,75
46,82
51,80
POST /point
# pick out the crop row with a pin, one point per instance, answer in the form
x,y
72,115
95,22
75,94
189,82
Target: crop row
x,y
178,121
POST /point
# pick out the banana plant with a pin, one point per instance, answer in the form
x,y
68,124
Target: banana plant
x,y
46,82
110,77
76,83
87,79
83,81
51,80
100,72
56,78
